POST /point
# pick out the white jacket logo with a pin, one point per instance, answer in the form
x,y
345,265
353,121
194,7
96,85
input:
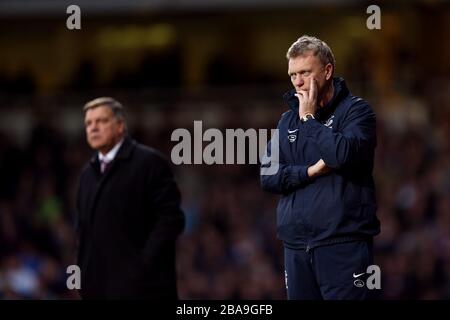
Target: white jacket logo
x,y
292,135
329,122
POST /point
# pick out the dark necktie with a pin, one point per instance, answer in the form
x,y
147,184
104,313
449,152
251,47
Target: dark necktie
x,y
103,166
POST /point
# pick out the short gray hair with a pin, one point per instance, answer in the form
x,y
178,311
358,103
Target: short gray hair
x,y
318,47
115,106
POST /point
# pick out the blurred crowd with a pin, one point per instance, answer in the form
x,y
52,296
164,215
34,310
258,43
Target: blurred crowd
x,y
229,248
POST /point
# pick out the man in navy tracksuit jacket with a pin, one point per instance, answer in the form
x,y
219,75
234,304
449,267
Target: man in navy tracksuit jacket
x,y
326,216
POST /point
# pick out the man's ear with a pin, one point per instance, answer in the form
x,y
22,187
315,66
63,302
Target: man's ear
x,y
329,71
121,126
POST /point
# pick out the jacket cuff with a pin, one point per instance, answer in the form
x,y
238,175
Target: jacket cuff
x,y
296,175
303,174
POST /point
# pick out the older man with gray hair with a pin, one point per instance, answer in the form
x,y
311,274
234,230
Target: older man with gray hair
x,y
326,215
128,213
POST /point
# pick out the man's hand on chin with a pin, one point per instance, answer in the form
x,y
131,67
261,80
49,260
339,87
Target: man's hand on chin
x,y
307,99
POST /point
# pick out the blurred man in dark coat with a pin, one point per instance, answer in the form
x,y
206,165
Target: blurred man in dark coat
x,y
129,213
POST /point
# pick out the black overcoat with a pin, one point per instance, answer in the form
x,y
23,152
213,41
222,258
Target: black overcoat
x,y
128,220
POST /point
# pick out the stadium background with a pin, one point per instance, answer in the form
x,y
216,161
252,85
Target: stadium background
x,y
222,62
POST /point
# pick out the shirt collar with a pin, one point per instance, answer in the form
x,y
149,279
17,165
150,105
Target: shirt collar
x,y
111,154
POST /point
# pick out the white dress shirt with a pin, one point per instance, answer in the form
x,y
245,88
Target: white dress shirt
x,y
111,154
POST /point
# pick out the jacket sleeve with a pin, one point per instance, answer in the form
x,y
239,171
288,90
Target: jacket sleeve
x,y
356,141
276,175
165,201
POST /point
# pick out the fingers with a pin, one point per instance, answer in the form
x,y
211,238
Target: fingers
x,y
301,94
301,97
318,169
312,89
322,165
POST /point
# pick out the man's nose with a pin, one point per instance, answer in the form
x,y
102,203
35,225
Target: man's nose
x,y
299,82
93,128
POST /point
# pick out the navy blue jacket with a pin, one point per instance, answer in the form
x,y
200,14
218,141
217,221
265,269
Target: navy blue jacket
x,y
339,206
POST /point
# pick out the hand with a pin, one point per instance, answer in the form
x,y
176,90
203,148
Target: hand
x,y
318,169
308,99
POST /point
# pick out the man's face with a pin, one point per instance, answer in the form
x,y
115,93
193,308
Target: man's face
x,y
103,130
302,68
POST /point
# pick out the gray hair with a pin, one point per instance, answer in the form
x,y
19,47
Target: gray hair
x,y
318,47
115,106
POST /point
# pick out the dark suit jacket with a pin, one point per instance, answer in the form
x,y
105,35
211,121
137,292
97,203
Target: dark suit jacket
x,y
127,224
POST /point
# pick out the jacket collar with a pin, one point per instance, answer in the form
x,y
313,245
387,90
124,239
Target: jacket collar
x,y
340,92
124,151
